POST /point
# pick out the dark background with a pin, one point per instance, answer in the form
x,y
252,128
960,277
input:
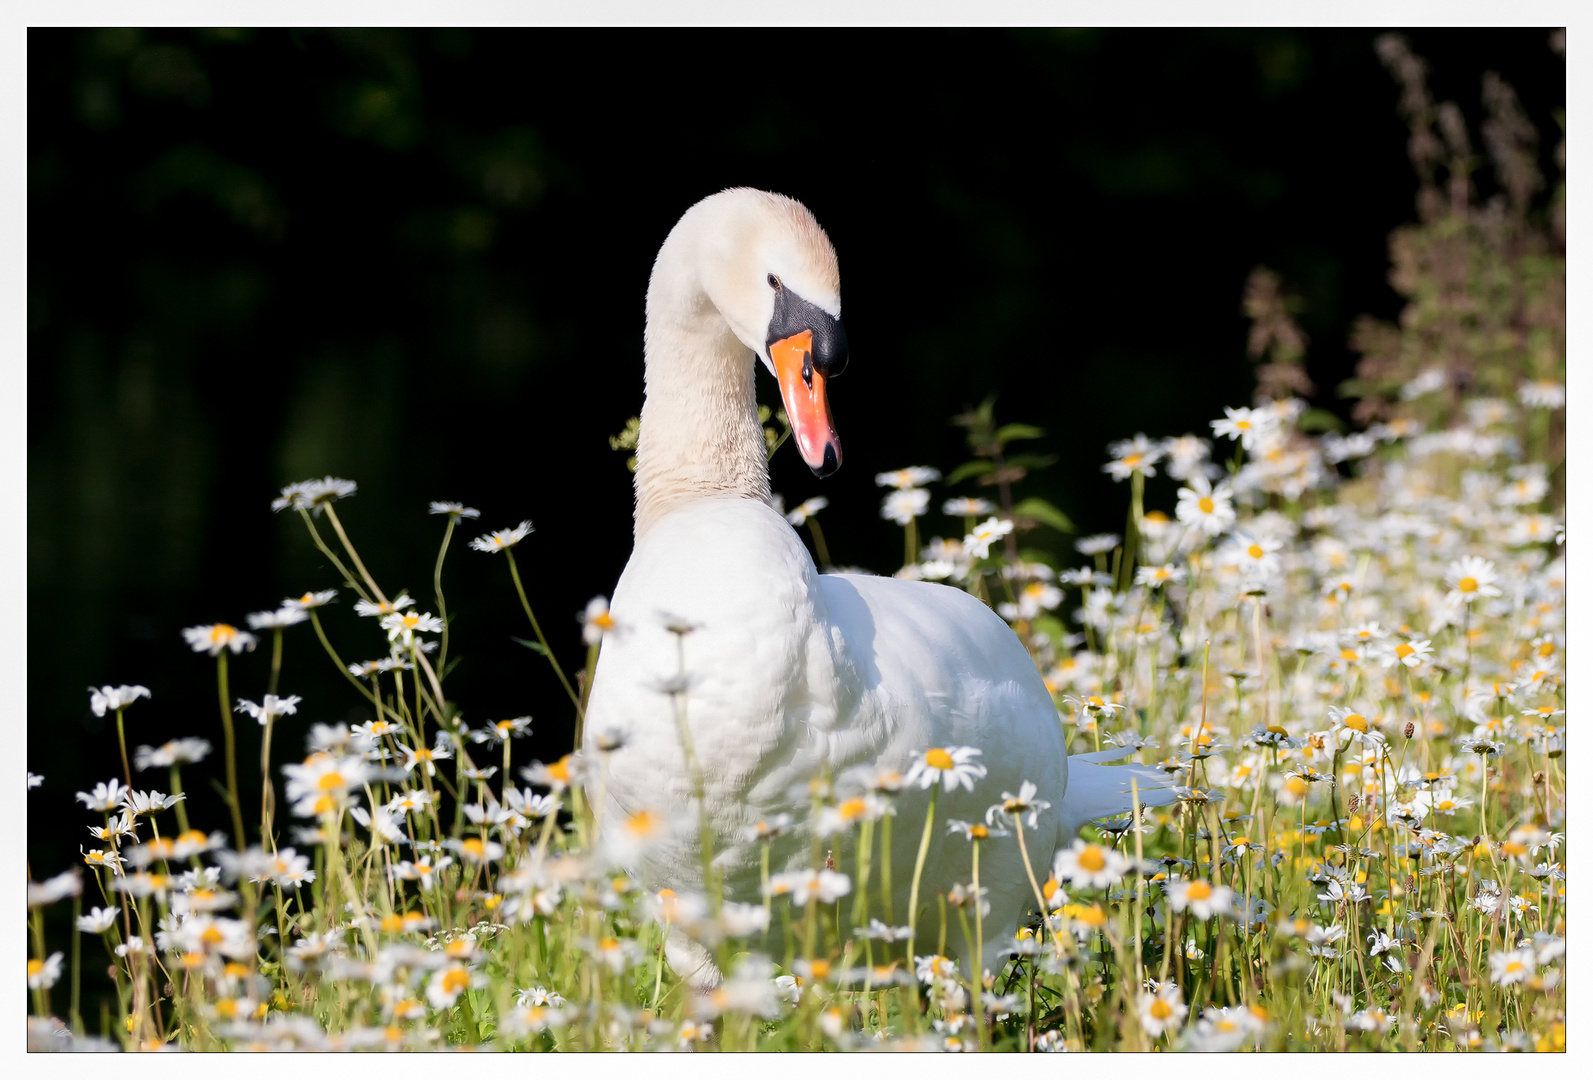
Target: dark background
x,y
417,260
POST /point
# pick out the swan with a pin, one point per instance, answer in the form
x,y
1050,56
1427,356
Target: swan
x,y
782,672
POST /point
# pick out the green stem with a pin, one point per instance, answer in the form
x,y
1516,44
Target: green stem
x,y
918,871
231,749
121,737
537,629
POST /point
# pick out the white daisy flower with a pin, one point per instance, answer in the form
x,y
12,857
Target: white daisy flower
x,y
951,766
503,539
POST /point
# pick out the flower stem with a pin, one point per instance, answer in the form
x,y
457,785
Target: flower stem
x,y
121,737
918,871
231,748
546,651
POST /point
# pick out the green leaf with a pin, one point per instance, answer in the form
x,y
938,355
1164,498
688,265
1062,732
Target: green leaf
x,y
1044,513
969,468
534,646
1050,626
1008,432
1031,461
1320,420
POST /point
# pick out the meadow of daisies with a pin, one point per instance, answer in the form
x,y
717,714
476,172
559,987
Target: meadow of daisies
x,y
1343,647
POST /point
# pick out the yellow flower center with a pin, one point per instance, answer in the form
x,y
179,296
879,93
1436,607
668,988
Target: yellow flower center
x,y
411,621
1403,650
560,769
1296,786
821,969
35,966
1206,505
938,759
978,832
605,621
1467,584
1199,890
392,924
221,633
1160,1010
211,936
325,804
1355,721
1133,459
455,980
642,823
331,781
1051,887
1546,649
473,846
1349,654
851,809
1243,425
1092,859
1255,551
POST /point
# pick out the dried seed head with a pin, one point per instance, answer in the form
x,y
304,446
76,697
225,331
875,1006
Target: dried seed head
x,y
1410,729
1353,805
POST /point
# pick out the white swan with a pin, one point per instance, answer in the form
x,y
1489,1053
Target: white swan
x,y
787,670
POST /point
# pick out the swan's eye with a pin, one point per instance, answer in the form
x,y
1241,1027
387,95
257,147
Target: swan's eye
x,y
774,283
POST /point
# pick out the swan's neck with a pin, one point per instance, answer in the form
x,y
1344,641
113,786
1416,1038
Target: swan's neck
x,y
700,434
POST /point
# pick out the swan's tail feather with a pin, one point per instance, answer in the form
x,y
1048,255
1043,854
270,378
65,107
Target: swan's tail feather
x,y
1096,791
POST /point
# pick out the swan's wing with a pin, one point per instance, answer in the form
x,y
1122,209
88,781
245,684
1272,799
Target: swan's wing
x,y
1096,790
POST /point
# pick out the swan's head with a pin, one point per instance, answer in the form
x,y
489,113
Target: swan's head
x,y
772,273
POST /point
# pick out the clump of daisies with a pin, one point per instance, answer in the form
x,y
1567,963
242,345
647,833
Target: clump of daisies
x,y
1344,647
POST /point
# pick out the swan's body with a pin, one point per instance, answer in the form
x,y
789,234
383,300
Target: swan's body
x,y
786,671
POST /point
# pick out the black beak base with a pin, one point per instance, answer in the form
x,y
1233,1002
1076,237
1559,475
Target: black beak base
x,y
792,315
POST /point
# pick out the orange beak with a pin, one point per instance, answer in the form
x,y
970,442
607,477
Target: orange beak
x,y
806,404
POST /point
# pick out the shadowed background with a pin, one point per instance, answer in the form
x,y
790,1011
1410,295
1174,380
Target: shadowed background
x,y
417,260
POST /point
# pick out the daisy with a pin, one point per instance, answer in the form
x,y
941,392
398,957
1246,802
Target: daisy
x,y
98,920
825,886
1245,425
1205,508
108,698
422,869
1163,1011
1471,578
453,510
404,625
270,707
1255,554
904,505
1089,865
799,517
414,756
1186,456
148,802
1201,897
1099,544
1130,456
276,620
595,620
974,831
1014,807
314,495
557,776
977,543
911,477
385,607
1542,394
311,600
966,507
217,636
59,887
952,766
1410,653
501,731
1515,966
42,974
323,781
503,539
1350,725
1157,576
175,752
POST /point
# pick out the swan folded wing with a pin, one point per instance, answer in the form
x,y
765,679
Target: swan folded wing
x,y
1097,790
